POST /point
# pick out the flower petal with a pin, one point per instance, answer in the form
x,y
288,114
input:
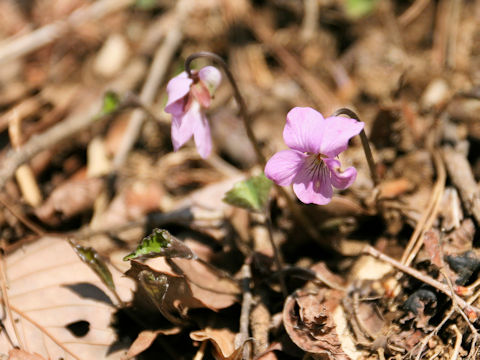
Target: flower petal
x,y
313,189
211,77
304,129
312,184
201,134
336,133
177,88
340,179
284,166
183,126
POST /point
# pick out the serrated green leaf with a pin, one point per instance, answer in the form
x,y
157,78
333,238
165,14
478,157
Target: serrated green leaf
x,y
250,194
90,257
161,243
359,8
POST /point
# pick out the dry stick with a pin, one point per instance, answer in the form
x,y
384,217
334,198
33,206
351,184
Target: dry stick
x,y
29,224
458,342
310,19
429,216
245,312
412,12
49,33
418,275
365,143
6,302
45,331
461,175
156,74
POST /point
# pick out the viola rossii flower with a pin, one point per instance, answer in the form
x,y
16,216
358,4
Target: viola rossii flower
x,y
310,164
188,98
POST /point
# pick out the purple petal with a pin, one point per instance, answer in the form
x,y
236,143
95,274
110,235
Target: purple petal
x,y
201,134
315,189
340,179
284,166
336,133
177,88
211,77
183,126
304,129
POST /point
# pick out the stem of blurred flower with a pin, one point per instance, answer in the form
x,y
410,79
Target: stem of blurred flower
x,y
365,143
236,93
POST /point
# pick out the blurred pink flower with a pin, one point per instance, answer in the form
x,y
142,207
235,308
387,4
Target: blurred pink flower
x,y
188,97
310,163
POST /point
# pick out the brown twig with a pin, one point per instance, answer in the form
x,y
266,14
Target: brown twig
x,y
429,215
444,288
460,172
6,302
412,12
245,312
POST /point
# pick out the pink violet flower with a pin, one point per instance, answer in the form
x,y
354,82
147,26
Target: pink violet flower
x,y
310,163
188,97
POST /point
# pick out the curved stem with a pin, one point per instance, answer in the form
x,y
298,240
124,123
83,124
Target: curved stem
x,y
236,92
365,143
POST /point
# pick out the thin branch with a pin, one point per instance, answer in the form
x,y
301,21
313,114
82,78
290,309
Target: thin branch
x,y
420,276
245,313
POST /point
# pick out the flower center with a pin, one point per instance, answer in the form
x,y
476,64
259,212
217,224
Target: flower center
x,y
317,167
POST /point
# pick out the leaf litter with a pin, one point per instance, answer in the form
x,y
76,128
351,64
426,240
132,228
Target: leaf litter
x,y
206,281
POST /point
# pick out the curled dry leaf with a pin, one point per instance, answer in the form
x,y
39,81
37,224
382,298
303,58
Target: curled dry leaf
x,y
308,320
223,342
60,307
69,199
146,338
188,284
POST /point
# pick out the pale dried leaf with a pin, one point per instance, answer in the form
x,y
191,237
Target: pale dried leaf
x,y
145,339
50,286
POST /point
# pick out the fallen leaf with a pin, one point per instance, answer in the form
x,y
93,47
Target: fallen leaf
x,y
69,199
61,308
308,320
431,240
250,194
146,338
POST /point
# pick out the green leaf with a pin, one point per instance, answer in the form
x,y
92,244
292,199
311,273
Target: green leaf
x,y
161,243
111,101
90,257
359,8
146,4
250,194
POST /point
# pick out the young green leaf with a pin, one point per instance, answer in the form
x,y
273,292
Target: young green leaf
x,y
359,8
250,194
111,102
161,243
90,257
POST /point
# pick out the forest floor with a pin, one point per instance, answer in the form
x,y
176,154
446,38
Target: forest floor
x,y
388,269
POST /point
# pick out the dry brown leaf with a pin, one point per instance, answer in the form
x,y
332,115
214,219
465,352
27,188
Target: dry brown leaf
x,y
192,284
222,339
17,354
308,320
431,240
145,339
54,295
68,199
